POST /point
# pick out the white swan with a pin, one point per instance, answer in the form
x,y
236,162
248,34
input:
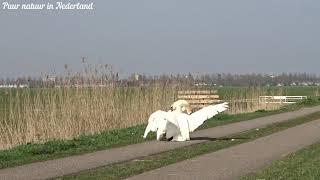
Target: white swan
x,y
178,125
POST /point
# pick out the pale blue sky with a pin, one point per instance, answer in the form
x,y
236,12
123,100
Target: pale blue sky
x,y
164,36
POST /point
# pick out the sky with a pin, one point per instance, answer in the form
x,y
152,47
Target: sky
x,y
163,36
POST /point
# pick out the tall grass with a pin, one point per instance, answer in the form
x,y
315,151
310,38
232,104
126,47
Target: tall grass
x,y
245,99
38,115
42,114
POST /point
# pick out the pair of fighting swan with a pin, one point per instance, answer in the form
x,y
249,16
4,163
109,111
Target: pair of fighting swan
x,y
177,125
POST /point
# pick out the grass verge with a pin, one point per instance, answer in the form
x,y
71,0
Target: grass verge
x,y
115,138
303,164
137,166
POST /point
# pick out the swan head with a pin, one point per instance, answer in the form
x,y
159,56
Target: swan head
x,y
181,106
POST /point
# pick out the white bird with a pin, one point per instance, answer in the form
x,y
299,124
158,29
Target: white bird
x,y
178,125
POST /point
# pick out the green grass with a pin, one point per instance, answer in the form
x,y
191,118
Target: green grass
x,y
137,166
301,90
119,137
115,138
286,91
304,164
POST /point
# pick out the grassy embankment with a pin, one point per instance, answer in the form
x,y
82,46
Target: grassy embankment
x,y
114,138
302,165
137,166
29,116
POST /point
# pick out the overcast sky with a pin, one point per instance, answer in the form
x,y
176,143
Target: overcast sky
x,y
165,36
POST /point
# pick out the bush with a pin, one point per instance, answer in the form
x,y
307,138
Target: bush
x,y
261,111
310,101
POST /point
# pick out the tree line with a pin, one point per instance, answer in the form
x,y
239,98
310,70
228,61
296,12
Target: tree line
x,y
213,79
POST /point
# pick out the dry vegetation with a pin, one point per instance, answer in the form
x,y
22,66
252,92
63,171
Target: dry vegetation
x,y
39,115
244,100
42,114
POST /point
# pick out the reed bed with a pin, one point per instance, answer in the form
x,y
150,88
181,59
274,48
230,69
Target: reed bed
x,y
39,115
244,100
43,114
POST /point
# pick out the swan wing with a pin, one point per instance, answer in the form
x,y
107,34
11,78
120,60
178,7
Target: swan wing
x,y
197,118
156,122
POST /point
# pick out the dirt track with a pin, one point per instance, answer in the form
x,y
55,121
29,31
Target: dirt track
x,y
231,163
73,164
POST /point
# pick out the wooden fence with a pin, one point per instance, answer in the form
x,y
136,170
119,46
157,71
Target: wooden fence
x,y
281,99
200,98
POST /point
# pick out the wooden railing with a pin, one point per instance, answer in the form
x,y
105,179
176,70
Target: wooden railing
x,y
199,99
281,99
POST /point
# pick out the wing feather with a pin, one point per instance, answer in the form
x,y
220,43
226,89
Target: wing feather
x,y
197,118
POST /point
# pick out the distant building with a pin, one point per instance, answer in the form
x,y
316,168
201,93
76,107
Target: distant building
x,y
49,79
201,84
137,77
14,86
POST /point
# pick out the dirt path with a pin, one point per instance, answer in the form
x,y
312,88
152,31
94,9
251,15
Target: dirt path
x,y
231,163
73,164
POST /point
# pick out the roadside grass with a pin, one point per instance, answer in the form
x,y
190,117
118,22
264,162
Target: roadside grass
x,y
115,138
110,139
140,165
303,164
38,115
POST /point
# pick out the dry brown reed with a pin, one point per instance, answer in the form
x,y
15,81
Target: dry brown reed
x,y
66,111
39,115
244,100
63,113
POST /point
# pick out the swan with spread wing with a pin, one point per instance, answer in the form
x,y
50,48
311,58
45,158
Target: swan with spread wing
x,y
177,125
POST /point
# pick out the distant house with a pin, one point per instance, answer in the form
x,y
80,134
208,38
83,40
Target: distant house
x,y
49,79
137,77
201,84
14,86
304,84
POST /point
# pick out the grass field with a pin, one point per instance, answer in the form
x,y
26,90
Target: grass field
x,y
285,90
302,165
137,166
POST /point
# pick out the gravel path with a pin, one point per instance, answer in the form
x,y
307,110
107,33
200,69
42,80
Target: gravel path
x,y
73,164
233,162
